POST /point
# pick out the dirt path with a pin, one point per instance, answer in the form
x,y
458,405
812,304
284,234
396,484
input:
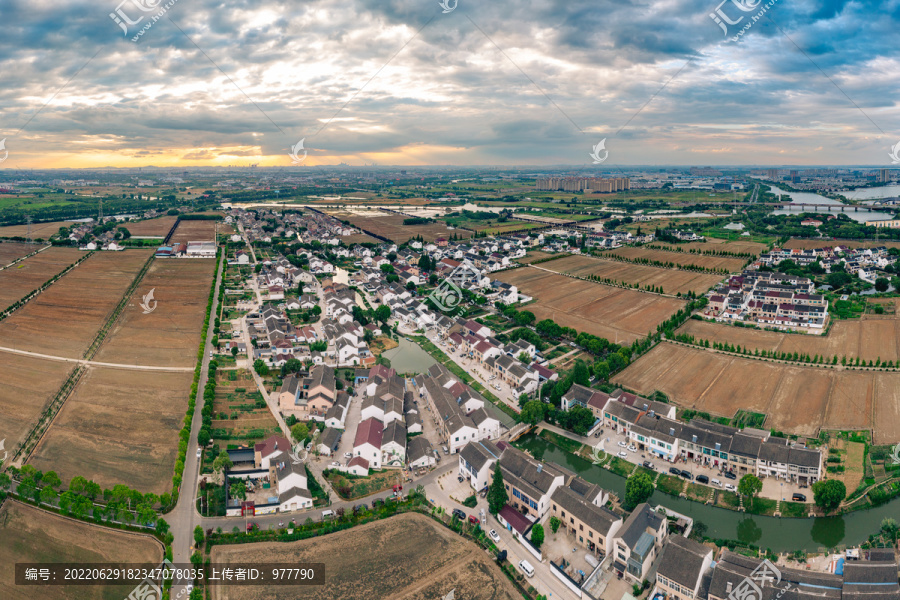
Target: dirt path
x,y
92,363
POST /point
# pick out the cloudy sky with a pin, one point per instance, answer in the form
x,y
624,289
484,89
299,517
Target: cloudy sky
x,y
525,82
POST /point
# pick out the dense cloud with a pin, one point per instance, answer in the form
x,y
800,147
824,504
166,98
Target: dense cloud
x,y
400,82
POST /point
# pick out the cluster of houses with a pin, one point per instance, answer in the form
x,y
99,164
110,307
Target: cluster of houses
x,y
645,545
261,225
276,340
863,262
770,299
275,481
652,427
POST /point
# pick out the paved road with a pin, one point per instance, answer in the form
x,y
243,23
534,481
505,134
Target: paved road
x,y
182,519
92,363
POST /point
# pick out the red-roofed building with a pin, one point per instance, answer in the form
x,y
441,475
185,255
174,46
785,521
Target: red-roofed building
x,y
514,521
368,441
265,450
358,466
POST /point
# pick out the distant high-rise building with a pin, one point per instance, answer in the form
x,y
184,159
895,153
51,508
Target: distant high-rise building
x,y
583,184
772,174
884,175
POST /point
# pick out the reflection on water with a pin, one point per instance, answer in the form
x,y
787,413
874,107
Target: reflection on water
x,y
834,207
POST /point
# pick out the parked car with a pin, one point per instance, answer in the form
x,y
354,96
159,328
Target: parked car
x,y
730,488
649,465
445,449
494,535
459,514
335,464
702,479
473,520
397,487
348,455
377,502
729,475
632,448
716,482
623,445
674,471
686,474
623,454
798,498
199,452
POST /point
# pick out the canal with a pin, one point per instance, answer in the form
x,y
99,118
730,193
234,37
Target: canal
x,y
776,533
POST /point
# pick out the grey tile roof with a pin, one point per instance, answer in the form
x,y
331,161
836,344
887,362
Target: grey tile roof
x,y
598,518
682,560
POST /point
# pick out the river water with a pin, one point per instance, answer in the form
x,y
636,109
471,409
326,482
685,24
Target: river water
x,y
776,533
801,198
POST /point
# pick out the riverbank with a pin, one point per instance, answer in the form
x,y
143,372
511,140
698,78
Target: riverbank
x,y
779,534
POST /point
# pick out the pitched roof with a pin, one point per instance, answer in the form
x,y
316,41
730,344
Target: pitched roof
x,y
369,431
682,560
272,444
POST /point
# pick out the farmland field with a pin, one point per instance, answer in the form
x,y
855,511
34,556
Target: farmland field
x,y
617,314
407,557
796,399
33,535
715,245
391,226
868,338
672,281
26,387
151,227
679,258
195,231
30,274
533,255
119,426
10,251
170,335
63,320
237,396
38,230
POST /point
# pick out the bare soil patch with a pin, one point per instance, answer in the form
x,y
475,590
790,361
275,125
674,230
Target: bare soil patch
x,y
119,426
391,227
10,251
26,387
671,281
194,231
680,258
18,281
406,557
151,227
617,314
33,535
64,319
170,335
38,230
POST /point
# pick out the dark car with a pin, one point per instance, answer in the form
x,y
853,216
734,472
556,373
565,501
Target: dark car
x,y
674,471
649,465
376,502
729,475
702,479
687,475
798,498
459,514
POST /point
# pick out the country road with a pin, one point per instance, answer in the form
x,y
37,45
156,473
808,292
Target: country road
x,y
92,363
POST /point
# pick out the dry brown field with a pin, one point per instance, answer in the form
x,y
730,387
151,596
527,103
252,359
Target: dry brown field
x,y
26,387
619,315
10,251
796,399
870,338
195,231
119,426
38,230
407,557
32,535
170,335
391,227
713,244
533,255
151,227
805,244
360,238
65,318
20,280
672,281
679,258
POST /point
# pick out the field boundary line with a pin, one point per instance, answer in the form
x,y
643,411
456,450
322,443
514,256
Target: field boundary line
x,y
20,259
35,293
90,363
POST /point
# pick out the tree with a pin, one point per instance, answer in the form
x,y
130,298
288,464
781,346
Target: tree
x,y
581,374
532,412
203,437
497,496
601,370
749,486
523,357
260,367
829,494
51,479
554,524
537,535
234,351
881,284
838,280
291,365
383,313
299,432
198,536
638,489
238,489
222,462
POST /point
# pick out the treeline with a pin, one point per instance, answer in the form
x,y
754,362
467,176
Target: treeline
x,y
417,221
666,264
700,251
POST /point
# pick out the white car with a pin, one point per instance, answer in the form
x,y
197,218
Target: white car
x,y
632,448
348,455
623,445
199,452
335,464
494,535
715,482
623,454
730,488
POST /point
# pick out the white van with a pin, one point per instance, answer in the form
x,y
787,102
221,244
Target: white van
x,y
526,568
327,514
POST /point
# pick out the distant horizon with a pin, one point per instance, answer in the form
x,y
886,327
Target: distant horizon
x,y
604,170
